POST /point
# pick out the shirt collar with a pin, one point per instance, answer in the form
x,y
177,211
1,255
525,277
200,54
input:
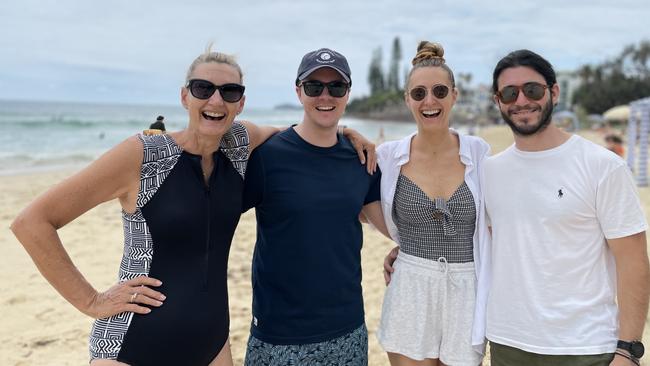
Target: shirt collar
x,y
403,150
464,149
401,153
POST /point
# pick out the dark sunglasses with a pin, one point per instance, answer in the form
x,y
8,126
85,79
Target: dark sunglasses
x,y
532,90
419,92
314,88
203,89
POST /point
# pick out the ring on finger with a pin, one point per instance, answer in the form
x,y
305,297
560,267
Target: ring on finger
x,y
132,300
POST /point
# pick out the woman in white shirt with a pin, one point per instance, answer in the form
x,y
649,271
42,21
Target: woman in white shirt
x,y
433,311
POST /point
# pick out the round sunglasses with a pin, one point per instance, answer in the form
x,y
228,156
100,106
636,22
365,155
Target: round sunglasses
x,y
314,88
532,90
203,89
439,91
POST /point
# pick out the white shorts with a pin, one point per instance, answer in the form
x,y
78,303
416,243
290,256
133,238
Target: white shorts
x,y
428,311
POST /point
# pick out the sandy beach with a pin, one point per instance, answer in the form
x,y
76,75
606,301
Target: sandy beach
x,y
38,327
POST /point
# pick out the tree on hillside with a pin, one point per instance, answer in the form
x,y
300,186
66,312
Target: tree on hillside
x,y
393,73
463,81
375,73
619,81
406,75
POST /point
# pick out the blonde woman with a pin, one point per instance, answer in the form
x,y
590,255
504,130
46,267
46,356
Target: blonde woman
x,y
431,195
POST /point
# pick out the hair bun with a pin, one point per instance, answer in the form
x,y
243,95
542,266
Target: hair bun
x,y
429,51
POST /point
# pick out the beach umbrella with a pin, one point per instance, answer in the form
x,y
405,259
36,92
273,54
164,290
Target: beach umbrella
x,y
597,118
619,113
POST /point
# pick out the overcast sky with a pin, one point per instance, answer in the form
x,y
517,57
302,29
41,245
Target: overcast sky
x,y
137,52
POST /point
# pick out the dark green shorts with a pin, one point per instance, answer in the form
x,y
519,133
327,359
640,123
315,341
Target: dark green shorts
x,y
501,355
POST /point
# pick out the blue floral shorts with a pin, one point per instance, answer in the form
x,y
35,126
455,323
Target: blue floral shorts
x,y
350,349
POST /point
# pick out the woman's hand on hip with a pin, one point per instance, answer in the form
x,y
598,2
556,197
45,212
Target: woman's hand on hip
x,y
134,295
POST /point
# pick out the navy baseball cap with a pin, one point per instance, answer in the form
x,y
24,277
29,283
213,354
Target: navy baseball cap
x,y
323,57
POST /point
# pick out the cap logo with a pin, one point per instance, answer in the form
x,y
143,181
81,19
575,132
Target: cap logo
x,y
325,58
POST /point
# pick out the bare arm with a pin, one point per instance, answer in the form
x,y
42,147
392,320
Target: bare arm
x,y
114,175
633,284
373,214
388,264
256,134
259,134
362,144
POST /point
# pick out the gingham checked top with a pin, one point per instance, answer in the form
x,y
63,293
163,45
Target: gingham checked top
x,y
435,228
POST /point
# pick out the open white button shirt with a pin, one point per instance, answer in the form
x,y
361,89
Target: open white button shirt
x,y
473,150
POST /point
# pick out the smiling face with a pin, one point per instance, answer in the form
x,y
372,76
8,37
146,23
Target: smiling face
x,y
212,116
430,112
323,111
524,116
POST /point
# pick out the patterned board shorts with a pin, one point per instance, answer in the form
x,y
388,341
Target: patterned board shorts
x,y
350,349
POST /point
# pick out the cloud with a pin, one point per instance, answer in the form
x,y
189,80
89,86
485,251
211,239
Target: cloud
x,y
119,44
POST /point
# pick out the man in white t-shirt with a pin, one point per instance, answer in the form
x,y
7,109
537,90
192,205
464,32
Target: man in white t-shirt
x,y
570,278
568,236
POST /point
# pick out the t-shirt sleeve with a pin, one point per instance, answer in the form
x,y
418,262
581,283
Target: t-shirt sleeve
x,y
253,182
374,193
618,206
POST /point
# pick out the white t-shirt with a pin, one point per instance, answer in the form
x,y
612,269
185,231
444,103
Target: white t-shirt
x,y
553,285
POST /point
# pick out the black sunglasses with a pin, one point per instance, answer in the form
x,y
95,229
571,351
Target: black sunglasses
x,y
532,90
314,88
439,91
203,89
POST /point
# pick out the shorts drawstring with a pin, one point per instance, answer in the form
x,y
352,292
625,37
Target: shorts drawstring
x,y
445,265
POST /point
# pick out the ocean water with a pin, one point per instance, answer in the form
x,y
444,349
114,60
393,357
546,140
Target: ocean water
x,y
52,135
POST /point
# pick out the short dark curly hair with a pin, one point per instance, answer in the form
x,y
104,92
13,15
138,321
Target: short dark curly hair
x,y
525,58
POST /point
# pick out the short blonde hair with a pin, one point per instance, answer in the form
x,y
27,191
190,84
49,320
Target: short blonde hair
x,y
216,57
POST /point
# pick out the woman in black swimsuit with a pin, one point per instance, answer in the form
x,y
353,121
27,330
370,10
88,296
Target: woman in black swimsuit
x,y
180,197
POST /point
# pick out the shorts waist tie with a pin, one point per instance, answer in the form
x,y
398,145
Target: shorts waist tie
x,y
443,262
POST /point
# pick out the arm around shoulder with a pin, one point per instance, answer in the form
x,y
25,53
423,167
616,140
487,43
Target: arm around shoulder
x,y
258,134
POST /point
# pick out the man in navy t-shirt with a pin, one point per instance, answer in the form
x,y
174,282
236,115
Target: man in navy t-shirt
x,y
308,189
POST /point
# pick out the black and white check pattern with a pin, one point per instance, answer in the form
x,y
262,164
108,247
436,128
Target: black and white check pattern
x,y
436,228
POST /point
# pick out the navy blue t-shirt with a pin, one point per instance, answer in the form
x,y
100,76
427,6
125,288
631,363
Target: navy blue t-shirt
x,y
307,260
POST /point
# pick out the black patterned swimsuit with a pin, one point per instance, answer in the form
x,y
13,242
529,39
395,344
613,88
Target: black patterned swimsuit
x,y
432,229
180,233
